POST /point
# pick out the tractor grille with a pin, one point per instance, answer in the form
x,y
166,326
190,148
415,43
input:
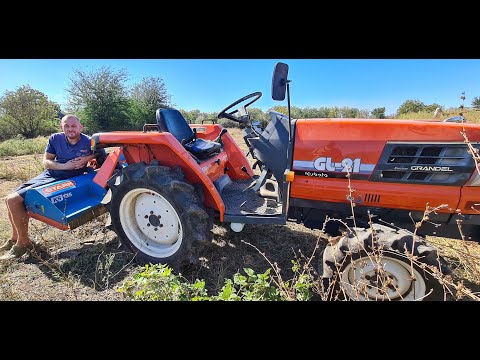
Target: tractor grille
x,y
432,164
372,198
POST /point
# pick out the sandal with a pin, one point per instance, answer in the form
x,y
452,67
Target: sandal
x,y
16,252
7,245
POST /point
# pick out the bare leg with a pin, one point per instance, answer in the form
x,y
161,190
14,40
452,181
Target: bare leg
x,y
14,228
19,218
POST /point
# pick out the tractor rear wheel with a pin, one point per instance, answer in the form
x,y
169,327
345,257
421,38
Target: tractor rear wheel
x,y
380,267
157,214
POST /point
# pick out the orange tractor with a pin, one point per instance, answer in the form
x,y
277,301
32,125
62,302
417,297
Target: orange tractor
x,y
177,177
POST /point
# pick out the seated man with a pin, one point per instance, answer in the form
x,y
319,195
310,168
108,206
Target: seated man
x,y
66,155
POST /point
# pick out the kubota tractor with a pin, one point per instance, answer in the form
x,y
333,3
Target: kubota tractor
x,y
176,178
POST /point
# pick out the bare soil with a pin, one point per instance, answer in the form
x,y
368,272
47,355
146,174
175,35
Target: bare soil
x,y
86,263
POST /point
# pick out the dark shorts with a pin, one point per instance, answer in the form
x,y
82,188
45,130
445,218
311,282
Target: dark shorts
x,y
42,179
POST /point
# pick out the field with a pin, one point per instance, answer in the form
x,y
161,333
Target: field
x,y
86,263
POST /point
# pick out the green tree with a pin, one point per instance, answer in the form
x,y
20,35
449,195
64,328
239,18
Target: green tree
x,y
27,112
206,117
146,97
411,106
431,108
321,112
257,114
305,113
313,113
476,102
295,112
191,116
280,109
353,113
378,113
100,99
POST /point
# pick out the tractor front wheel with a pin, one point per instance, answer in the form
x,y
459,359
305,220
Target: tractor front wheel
x,y
382,263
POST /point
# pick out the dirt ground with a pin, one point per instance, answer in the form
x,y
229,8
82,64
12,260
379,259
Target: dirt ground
x,y
86,263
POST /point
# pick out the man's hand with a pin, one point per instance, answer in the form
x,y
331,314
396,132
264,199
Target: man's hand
x,y
79,162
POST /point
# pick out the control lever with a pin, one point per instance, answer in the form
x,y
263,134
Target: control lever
x,y
260,181
184,141
219,137
244,169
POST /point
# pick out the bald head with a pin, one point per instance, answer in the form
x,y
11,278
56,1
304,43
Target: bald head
x,y
68,117
72,127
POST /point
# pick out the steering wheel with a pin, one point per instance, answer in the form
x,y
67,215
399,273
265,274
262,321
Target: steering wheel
x,y
243,118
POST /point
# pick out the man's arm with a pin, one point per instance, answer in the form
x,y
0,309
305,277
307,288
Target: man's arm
x,y
82,161
50,163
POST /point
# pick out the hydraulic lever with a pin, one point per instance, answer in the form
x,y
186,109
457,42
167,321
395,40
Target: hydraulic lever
x,y
219,137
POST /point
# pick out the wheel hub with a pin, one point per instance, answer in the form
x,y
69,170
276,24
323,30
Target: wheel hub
x,y
151,223
381,279
390,279
154,220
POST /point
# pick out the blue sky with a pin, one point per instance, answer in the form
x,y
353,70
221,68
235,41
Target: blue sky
x,y
211,84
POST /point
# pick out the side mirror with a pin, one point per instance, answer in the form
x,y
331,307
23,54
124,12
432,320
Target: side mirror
x,y
279,81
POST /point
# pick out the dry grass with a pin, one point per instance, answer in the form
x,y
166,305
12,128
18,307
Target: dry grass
x,y
85,263
472,115
20,168
463,257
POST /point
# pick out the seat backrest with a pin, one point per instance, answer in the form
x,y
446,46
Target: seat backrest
x,y
172,121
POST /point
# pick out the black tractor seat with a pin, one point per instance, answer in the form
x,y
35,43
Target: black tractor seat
x,y
172,121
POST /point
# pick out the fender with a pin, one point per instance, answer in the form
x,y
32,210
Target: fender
x,y
236,158
148,146
106,171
